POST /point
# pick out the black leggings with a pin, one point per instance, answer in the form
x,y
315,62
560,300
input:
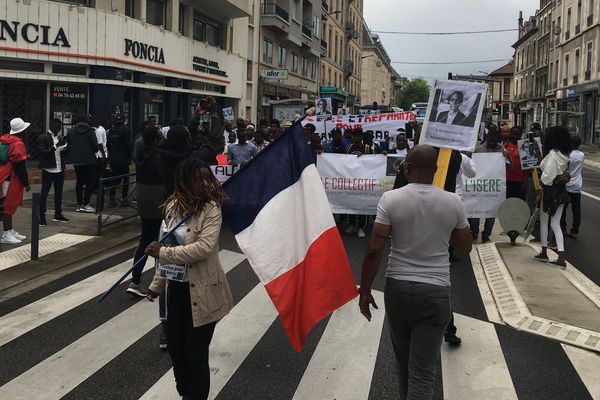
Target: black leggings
x,y
188,346
86,183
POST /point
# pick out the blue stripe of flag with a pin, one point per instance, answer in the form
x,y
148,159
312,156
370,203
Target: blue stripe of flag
x,y
274,169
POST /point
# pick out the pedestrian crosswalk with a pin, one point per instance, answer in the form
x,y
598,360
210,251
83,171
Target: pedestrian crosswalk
x,y
342,364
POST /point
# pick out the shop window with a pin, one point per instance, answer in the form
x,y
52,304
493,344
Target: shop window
x,y
153,106
155,80
21,66
69,69
156,11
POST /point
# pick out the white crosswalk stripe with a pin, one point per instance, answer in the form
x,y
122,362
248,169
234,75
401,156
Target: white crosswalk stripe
x,y
341,367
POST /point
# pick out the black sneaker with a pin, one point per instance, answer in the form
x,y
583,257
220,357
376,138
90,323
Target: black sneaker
x,y
452,340
43,221
60,218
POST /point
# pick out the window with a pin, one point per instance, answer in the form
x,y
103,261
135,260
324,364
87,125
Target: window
x,y
568,27
329,76
294,62
330,44
590,7
282,57
207,30
249,70
566,75
182,19
588,62
335,51
576,69
323,73
156,11
267,51
304,67
129,8
579,13
313,70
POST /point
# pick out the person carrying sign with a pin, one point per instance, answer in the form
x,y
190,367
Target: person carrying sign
x,y
423,222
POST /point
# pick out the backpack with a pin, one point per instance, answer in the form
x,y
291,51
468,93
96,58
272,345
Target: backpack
x,y
4,159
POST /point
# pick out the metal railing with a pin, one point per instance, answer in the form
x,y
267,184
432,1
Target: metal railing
x,y
104,186
272,8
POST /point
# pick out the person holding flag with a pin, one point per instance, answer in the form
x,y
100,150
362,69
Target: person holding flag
x,y
198,294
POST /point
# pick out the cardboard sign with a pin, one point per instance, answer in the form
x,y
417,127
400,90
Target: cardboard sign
x,y
528,152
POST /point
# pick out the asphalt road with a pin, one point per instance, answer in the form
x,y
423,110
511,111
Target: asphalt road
x,y
494,359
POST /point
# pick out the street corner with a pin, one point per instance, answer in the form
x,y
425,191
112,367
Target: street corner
x,y
540,298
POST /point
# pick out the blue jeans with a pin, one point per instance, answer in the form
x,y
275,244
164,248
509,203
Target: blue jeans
x,y
487,227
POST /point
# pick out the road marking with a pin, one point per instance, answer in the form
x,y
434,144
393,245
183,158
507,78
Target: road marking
x,y
477,369
62,372
43,310
587,365
591,196
234,338
489,303
48,245
343,363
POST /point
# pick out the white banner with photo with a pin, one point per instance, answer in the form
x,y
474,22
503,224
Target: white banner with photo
x,y
483,194
454,115
381,125
224,172
354,184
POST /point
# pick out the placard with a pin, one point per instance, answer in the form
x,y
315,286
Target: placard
x,y
483,194
528,152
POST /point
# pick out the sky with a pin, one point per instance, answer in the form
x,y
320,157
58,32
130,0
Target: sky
x,y
447,16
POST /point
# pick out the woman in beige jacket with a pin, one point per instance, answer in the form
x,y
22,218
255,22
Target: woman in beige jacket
x,y
189,270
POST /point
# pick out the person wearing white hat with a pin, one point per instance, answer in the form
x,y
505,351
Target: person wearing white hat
x,y
13,177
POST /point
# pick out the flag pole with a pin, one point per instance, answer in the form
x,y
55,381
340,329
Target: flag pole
x,y
142,260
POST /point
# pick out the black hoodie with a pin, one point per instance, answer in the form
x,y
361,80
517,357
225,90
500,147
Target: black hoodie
x,y
82,145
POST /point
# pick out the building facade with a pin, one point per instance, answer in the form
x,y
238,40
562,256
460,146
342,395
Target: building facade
x,y
557,67
378,76
341,53
290,51
501,94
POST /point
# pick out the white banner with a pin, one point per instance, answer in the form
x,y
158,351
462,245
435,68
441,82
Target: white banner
x,y
224,172
454,115
354,184
483,194
381,125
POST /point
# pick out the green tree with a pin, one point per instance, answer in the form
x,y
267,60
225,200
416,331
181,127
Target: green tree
x,y
415,91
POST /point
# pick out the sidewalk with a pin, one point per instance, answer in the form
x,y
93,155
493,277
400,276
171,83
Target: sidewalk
x,y
592,155
64,247
537,297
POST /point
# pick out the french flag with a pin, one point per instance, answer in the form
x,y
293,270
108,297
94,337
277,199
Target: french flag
x,y
280,215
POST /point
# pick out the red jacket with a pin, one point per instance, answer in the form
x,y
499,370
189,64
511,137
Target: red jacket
x,y
16,153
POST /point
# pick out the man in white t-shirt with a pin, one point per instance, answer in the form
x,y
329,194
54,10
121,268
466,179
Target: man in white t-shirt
x,y
574,189
423,222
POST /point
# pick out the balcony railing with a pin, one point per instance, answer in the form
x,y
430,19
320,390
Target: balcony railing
x,y
323,44
306,31
575,79
590,19
588,75
272,8
324,5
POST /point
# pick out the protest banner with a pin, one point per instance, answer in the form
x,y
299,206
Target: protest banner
x,y
454,115
530,153
224,172
483,194
354,185
382,126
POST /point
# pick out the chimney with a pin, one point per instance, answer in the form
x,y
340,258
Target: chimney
x,y
520,19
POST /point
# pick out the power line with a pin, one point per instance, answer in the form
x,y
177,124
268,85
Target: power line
x,y
447,62
445,33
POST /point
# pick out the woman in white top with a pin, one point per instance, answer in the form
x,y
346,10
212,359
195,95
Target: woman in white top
x,y
555,167
574,189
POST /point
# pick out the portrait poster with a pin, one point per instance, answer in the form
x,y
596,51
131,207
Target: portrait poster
x,y
228,114
454,115
530,153
323,106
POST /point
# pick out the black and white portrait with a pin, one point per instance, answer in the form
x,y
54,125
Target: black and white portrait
x,y
323,106
456,107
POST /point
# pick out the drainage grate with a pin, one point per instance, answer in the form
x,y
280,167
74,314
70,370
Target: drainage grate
x,y
535,325
592,341
49,245
553,330
572,335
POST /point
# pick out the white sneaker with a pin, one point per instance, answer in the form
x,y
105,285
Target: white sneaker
x,y
8,238
350,229
361,233
87,209
17,235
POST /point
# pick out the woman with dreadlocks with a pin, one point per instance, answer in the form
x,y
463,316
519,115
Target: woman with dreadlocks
x,y
198,294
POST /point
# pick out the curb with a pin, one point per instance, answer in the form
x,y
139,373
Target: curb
x,y
515,313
